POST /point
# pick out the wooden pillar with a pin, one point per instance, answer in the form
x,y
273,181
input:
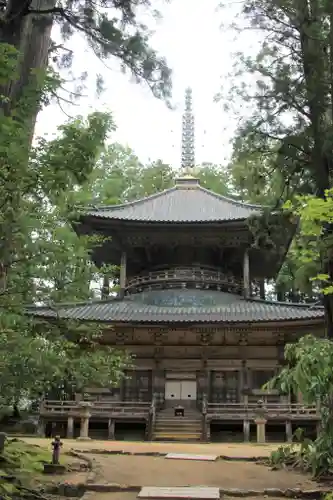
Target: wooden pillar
x,y
122,280
246,430
111,428
289,431
158,385
246,274
70,427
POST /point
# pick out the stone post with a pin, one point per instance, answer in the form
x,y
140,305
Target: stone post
x,y
261,430
70,427
85,416
289,431
246,430
111,428
260,422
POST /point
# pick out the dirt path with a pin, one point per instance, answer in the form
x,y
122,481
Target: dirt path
x,y
237,449
158,471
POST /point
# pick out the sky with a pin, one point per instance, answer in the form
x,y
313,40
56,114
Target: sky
x,y
195,38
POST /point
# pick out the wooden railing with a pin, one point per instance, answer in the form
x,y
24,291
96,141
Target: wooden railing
x,y
97,408
185,275
235,411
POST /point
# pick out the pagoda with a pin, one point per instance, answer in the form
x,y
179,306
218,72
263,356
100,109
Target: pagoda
x,y
187,309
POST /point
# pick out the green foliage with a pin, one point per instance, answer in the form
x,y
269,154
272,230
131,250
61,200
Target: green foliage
x,y
315,239
309,371
119,177
112,30
24,458
283,147
24,462
42,259
302,455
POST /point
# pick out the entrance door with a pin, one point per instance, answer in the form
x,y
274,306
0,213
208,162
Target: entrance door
x,y
173,390
180,391
188,390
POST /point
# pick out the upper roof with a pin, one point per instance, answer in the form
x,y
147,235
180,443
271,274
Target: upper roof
x,y
176,306
187,202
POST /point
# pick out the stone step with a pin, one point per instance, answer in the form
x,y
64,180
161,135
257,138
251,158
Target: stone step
x,y
175,425
172,412
172,436
182,493
186,412
177,422
177,429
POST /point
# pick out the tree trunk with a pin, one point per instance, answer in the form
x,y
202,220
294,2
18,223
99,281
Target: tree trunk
x,y
317,78
105,287
280,294
30,34
262,291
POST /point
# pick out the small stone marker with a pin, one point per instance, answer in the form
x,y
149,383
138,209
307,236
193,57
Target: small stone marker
x,y
190,456
2,441
188,492
55,467
56,445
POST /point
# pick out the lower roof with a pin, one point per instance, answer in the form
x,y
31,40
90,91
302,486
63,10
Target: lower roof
x,y
176,306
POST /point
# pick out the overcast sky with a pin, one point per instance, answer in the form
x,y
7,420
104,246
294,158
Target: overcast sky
x,y
200,52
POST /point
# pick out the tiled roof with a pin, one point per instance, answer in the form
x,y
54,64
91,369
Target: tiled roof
x,y
197,306
180,203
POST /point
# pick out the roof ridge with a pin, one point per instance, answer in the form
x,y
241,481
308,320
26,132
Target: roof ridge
x,y
312,305
133,202
153,196
232,200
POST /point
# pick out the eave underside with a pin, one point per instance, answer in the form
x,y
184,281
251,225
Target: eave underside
x,y
147,245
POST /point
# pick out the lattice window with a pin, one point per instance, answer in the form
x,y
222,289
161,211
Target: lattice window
x,y
138,386
224,388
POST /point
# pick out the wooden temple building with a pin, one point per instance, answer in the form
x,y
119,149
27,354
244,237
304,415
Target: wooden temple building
x,y
189,312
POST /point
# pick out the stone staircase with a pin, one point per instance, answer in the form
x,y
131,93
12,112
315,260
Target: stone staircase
x,y
171,428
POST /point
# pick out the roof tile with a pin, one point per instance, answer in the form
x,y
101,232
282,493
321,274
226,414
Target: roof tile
x,y
222,309
179,204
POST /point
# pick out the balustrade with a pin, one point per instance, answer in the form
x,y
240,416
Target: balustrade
x,y
231,411
249,411
97,408
201,277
